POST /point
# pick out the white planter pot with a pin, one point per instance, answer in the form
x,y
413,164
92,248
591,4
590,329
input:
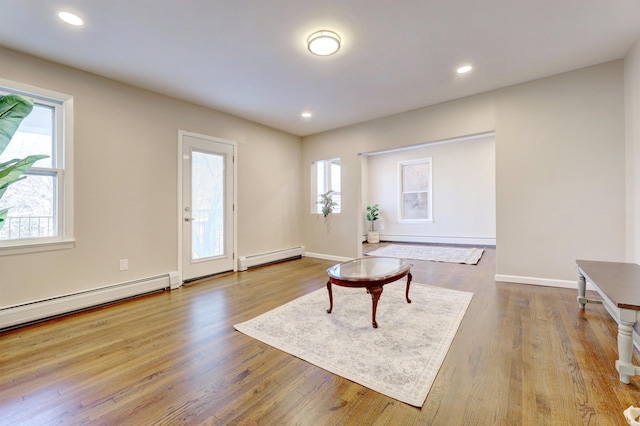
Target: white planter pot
x,y
373,237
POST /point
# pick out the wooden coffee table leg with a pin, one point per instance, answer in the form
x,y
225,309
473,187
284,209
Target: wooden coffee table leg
x,y
330,297
375,296
408,284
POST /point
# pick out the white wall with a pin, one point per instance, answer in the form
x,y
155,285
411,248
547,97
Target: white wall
x,y
464,192
341,234
126,184
560,171
560,180
632,133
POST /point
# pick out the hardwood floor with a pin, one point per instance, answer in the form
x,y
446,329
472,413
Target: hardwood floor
x,y
524,355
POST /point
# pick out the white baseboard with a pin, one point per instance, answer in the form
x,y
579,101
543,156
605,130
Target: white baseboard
x,y
540,281
246,262
328,257
475,241
37,310
174,280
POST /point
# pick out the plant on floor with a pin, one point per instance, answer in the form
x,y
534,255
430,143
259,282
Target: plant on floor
x,y
327,202
372,215
13,109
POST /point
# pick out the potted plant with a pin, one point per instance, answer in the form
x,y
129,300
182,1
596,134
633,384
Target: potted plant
x,y
328,203
13,109
373,213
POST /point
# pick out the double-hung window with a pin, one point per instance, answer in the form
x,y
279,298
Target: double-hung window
x,y
40,206
416,190
325,182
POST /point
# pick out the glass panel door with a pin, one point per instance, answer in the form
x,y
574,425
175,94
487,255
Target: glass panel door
x,y
207,206
207,199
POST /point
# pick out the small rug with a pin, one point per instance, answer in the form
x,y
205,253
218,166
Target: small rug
x,y
399,359
470,256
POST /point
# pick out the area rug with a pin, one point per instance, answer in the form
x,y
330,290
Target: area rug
x,y
470,256
399,359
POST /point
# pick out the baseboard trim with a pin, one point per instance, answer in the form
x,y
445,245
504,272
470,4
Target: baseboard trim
x,y
246,262
328,257
475,241
13,316
540,281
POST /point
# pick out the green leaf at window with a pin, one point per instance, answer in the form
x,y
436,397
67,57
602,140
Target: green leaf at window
x,y
13,109
11,171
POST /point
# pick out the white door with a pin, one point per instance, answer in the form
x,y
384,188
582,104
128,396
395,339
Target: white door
x,y
207,205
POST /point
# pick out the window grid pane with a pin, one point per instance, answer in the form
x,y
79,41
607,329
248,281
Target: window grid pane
x,y
32,203
415,191
34,137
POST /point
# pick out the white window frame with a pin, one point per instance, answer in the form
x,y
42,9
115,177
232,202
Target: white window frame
x,y
315,192
402,192
63,169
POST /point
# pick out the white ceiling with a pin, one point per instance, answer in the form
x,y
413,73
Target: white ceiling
x,y
249,57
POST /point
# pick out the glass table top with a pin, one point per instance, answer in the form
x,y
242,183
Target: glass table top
x,y
369,268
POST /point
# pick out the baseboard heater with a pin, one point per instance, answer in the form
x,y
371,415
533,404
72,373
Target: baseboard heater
x,y
26,313
246,262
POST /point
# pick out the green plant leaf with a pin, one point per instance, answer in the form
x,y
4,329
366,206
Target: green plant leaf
x,y
8,163
3,217
13,109
17,167
12,172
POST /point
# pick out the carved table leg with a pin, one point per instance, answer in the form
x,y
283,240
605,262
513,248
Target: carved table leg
x,y
408,284
582,290
625,351
330,297
375,296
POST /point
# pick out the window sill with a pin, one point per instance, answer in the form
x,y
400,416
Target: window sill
x,y
34,247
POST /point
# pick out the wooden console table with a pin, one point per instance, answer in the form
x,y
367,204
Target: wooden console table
x,y
619,286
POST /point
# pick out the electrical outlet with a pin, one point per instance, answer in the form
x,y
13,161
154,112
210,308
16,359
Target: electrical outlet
x,y
124,264
382,226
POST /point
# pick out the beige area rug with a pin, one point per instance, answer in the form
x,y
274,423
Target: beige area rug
x,y
470,256
399,359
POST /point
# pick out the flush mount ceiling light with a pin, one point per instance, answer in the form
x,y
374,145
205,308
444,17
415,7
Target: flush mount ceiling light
x,y
323,43
70,18
464,69
306,114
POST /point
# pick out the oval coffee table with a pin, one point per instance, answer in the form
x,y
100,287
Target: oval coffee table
x,y
371,273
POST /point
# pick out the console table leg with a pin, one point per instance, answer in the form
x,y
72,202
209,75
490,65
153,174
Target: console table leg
x,y
582,290
409,277
625,352
375,296
330,297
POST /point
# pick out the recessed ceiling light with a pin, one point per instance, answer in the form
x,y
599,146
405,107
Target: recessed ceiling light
x,y
71,18
306,114
464,69
323,43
